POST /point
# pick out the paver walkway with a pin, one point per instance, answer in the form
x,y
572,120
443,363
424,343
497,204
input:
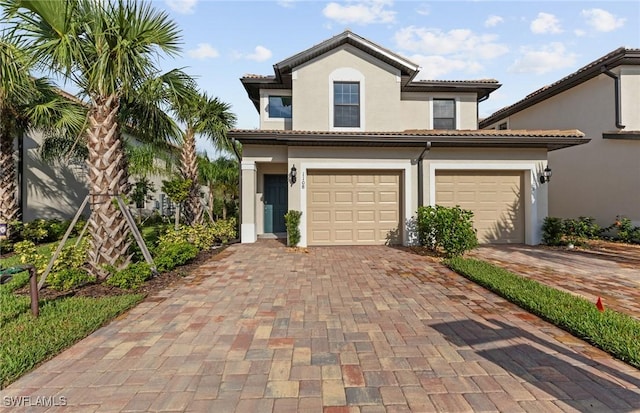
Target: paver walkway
x,y
612,275
337,329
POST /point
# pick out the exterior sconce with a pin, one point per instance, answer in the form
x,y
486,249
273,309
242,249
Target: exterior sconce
x,y
293,174
546,175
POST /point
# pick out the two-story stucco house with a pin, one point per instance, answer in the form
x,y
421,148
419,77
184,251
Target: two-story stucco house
x,y
602,99
351,139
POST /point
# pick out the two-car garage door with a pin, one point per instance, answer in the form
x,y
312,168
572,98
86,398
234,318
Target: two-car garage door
x,y
364,207
353,207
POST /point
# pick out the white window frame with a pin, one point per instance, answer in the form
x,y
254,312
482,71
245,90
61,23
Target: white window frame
x,y
457,110
347,74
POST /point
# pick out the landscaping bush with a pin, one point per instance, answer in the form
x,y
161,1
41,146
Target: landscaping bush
x,y
449,229
292,222
626,232
225,230
131,277
69,278
66,272
613,332
552,231
169,255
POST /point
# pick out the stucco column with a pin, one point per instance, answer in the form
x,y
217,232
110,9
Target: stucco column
x,y
249,188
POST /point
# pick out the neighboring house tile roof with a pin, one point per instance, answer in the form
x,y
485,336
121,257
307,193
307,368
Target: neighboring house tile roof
x,y
550,139
620,56
282,78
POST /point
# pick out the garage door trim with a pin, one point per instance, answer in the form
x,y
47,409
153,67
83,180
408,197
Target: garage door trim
x,y
532,215
406,190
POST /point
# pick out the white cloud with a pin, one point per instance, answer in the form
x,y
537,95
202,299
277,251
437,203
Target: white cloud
x,y
360,12
260,54
546,23
546,59
287,4
182,6
454,42
579,32
493,21
203,51
434,67
602,20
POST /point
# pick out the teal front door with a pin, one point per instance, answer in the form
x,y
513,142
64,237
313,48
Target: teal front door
x,y
275,203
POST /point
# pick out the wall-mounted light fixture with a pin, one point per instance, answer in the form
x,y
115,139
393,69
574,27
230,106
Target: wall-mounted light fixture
x,y
546,175
293,174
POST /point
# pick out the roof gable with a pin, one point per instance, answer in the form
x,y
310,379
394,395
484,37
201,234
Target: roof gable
x,y
406,67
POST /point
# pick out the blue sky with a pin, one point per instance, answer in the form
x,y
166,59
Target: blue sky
x,y
523,44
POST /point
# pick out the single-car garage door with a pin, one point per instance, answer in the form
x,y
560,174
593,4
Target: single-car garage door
x,y
353,207
493,196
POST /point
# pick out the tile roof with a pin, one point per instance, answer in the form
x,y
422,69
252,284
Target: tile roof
x,y
570,133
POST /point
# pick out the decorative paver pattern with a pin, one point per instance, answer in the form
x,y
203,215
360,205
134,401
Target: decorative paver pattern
x,y
338,329
613,274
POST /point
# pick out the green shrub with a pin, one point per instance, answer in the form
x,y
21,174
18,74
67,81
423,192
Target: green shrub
x,y
450,229
225,230
552,231
35,231
172,254
626,232
68,278
611,331
131,277
292,222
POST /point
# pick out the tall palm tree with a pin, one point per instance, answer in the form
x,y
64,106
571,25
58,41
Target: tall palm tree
x,y
27,102
211,118
108,49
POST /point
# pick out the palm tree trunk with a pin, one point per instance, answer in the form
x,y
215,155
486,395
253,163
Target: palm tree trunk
x,y
108,177
192,205
9,210
210,206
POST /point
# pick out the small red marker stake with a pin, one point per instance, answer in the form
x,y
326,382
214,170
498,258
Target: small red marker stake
x,y
599,305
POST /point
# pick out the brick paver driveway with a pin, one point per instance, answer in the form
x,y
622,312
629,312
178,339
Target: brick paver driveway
x,y
340,329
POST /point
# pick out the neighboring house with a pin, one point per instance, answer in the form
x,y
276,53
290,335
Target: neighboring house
x,y
348,137
57,190
602,99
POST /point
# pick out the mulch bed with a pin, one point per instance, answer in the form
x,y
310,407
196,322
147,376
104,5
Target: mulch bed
x,y
152,286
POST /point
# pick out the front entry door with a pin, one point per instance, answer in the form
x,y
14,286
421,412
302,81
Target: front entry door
x,y
275,203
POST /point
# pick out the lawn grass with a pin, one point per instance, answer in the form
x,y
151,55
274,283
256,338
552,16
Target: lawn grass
x,y
614,332
28,341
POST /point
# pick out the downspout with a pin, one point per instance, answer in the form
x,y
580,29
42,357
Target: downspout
x,y
616,85
235,150
427,146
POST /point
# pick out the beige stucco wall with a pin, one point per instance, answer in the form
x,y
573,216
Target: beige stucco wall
x,y
266,122
383,106
530,161
50,190
600,179
57,190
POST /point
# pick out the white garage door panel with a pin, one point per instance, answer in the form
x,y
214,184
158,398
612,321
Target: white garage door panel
x,y
493,196
352,207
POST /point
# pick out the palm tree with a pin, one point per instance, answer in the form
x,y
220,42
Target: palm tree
x,y
209,117
109,50
27,102
221,177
